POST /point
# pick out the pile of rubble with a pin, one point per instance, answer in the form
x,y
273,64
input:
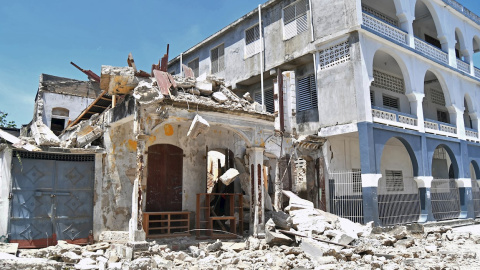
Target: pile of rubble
x,y
301,237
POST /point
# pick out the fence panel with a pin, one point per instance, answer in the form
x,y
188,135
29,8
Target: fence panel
x,y
345,195
476,197
445,199
398,206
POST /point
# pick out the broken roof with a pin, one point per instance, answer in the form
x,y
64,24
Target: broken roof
x,y
67,86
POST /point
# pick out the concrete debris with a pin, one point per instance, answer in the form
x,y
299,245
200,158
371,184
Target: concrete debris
x,y
247,97
198,126
18,142
205,88
229,176
274,238
296,202
146,94
43,135
118,80
188,72
220,97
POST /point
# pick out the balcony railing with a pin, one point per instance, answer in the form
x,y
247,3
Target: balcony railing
x,y
384,28
477,72
471,133
463,66
439,127
389,117
431,51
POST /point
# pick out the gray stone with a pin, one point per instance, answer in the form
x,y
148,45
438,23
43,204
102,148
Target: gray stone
x,y
214,247
71,257
219,97
274,238
282,220
270,225
399,232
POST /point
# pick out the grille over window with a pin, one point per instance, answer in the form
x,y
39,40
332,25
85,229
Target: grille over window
x,y
268,99
394,180
391,102
295,19
218,59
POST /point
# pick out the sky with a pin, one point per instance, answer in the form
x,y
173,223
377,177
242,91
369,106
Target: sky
x,y
44,36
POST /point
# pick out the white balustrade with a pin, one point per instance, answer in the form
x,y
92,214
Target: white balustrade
x,y
407,120
471,133
448,129
477,72
430,125
465,67
431,51
384,115
384,28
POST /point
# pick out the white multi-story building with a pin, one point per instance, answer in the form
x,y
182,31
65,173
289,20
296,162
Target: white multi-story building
x,y
391,85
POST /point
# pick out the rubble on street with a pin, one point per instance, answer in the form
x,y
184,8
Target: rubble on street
x,y
302,238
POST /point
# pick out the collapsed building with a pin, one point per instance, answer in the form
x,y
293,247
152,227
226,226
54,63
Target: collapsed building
x,y
352,113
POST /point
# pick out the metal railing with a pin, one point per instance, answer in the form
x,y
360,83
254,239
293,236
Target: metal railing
x,y
384,28
380,114
345,194
476,197
463,66
445,199
398,207
431,51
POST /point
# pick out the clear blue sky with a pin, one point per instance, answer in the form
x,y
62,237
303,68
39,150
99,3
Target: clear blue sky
x,y
44,36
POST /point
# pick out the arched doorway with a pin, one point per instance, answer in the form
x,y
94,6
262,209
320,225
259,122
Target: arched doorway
x,y
444,192
475,174
435,111
424,25
164,178
398,198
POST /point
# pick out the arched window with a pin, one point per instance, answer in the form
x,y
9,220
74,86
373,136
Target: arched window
x,y
59,117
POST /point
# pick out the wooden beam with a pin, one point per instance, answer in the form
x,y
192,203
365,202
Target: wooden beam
x,y
87,109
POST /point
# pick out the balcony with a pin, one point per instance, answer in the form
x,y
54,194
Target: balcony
x,y
440,128
394,118
392,32
471,134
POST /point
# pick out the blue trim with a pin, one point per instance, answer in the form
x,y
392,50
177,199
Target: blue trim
x,y
426,212
367,153
440,123
419,53
466,203
370,205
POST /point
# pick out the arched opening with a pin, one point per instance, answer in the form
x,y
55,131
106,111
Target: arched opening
x,y
467,119
398,199
476,55
424,26
460,50
384,10
474,175
59,119
437,116
387,90
444,191
164,178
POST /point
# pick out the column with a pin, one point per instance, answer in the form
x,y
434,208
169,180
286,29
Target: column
x,y
135,226
448,45
456,118
416,108
424,184
257,203
370,175
406,24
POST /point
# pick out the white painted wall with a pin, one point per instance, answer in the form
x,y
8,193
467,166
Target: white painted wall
x,y
5,188
74,104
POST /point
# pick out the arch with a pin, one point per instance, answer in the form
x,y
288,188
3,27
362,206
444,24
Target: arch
x,y
468,104
451,164
385,10
425,9
476,49
476,169
460,46
382,140
437,97
398,61
59,111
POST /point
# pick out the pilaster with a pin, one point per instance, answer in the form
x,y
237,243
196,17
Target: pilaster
x,y
257,202
424,184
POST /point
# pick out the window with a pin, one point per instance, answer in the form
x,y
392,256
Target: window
x,y
295,19
391,102
268,99
252,41
357,180
218,59
194,65
59,117
372,98
307,94
442,116
435,42
394,180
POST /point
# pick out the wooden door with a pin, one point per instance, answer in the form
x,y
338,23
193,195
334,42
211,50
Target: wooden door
x,y
164,180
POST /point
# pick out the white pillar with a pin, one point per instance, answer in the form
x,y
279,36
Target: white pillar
x,y
406,24
416,108
456,118
448,45
257,202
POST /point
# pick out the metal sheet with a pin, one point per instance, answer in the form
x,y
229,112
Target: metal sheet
x,y
163,81
52,200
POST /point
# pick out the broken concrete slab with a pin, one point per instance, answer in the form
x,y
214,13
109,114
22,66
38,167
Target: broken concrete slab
x,y
83,140
229,176
18,142
198,126
219,97
146,94
296,202
205,88
43,135
274,238
118,80
10,248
